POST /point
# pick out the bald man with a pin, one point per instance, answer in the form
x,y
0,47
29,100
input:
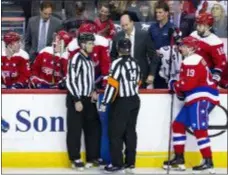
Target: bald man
x,y
142,48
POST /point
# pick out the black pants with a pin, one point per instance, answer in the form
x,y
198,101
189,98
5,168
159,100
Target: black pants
x,y
89,121
159,82
122,129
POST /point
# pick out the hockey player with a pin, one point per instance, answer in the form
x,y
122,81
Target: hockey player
x,y
15,63
100,54
200,95
211,48
50,66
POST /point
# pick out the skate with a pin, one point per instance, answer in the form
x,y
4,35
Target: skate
x,y
113,169
96,163
129,169
177,163
78,165
205,166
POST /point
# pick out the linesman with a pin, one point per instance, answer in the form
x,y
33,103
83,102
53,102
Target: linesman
x,y
122,92
81,111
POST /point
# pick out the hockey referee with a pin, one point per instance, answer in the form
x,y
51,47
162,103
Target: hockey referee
x,y
122,92
81,111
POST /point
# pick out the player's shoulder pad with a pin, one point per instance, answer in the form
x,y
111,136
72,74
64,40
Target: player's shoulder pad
x,y
192,60
48,49
213,40
101,41
73,45
65,55
23,54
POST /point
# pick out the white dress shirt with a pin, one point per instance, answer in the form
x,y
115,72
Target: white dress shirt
x,y
132,39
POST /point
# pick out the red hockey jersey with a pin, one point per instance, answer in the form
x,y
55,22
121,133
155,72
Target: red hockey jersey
x,y
15,69
211,48
224,78
106,28
49,68
196,81
100,54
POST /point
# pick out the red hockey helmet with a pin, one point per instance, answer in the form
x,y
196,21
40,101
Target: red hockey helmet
x,y
88,27
205,18
63,35
10,37
189,41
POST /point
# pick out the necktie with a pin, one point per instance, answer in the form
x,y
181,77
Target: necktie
x,y
130,37
42,39
176,20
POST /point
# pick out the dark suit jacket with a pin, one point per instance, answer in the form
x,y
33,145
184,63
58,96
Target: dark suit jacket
x,y
144,52
187,24
32,33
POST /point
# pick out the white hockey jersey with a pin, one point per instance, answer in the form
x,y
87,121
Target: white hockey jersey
x,y
165,58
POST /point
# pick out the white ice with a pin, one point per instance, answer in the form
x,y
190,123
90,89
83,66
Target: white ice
x,y
95,171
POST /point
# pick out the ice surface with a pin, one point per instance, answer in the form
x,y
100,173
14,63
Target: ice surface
x,y
94,171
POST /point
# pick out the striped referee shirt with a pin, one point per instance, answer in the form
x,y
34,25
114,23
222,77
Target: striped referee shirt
x,y
124,79
80,79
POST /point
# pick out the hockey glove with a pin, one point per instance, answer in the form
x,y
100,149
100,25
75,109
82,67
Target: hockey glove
x,y
43,86
62,84
17,86
171,84
216,77
181,98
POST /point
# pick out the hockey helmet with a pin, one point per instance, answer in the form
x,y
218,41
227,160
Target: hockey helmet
x,y
84,37
190,41
10,37
205,18
124,45
88,26
63,35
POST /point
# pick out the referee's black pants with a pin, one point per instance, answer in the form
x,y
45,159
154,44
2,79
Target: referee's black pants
x,y
122,129
89,121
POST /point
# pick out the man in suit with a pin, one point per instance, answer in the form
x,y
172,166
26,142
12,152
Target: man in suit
x,y
40,30
181,19
142,48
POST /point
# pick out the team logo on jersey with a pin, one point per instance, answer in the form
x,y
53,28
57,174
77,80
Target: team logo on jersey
x,y
145,27
118,27
47,70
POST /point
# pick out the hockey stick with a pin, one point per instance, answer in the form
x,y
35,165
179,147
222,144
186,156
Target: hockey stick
x,y
171,30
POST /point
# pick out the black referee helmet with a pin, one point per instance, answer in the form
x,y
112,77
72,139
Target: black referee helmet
x,y
84,37
124,46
